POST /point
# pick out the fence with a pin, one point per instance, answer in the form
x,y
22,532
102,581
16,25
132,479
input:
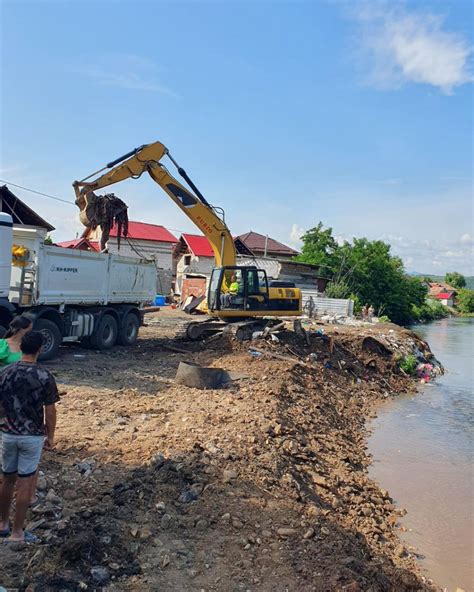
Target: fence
x,y
315,305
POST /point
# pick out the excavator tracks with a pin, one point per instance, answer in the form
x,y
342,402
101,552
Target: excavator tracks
x,y
200,329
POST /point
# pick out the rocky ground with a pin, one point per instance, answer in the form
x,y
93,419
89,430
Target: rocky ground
x,y
259,485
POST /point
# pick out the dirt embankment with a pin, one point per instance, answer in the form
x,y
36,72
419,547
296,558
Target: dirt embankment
x,y
259,485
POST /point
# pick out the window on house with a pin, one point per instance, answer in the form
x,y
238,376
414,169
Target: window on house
x,y
187,259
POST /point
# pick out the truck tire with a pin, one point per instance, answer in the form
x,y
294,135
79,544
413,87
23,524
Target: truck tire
x,y
105,334
52,338
128,331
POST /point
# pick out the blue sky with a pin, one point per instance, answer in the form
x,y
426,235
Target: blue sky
x,y
358,114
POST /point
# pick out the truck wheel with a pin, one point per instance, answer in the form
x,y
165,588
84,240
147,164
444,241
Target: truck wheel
x,y
105,335
52,338
128,332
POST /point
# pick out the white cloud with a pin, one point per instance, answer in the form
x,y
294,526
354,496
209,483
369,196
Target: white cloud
x,y
341,240
417,254
126,71
295,235
466,239
405,46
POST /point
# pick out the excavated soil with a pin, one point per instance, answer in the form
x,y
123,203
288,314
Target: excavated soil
x,y
259,485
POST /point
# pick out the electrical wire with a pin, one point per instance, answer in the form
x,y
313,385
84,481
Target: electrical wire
x,y
68,202
38,192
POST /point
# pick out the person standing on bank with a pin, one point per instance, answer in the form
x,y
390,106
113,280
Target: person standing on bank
x,y
28,394
10,351
10,344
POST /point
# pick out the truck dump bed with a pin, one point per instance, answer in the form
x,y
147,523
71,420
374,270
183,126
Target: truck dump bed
x,y
55,276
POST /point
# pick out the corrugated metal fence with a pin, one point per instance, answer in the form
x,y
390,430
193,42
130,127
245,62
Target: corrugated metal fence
x,y
315,305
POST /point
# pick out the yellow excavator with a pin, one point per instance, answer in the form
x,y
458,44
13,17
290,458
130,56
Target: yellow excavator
x,y
238,294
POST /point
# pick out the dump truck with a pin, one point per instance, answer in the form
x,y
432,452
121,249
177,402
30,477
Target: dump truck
x,y
93,298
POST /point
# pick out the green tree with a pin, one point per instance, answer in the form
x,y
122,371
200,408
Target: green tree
x,y
379,279
367,270
48,240
455,279
320,248
465,300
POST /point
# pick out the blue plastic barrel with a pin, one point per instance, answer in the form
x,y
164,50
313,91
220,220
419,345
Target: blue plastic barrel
x,y
160,300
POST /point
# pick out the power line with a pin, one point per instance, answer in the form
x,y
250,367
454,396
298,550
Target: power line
x,y
38,192
68,202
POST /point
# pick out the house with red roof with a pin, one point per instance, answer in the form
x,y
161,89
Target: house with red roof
x,y
442,292
194,260
144,241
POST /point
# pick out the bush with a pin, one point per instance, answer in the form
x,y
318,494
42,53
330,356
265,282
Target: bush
x,y
429,311
337,290
465,301
357,304
384,319
409,364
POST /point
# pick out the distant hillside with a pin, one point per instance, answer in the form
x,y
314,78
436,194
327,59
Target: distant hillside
x,y
440,278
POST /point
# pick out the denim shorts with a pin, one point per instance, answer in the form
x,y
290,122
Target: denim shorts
x,y
21,454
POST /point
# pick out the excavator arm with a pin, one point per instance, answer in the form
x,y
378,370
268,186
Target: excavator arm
x,y
207,218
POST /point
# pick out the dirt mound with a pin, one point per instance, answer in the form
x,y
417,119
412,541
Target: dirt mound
x,y
259,485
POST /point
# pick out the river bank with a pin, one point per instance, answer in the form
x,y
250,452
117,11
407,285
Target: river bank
x,y
423,448
260,485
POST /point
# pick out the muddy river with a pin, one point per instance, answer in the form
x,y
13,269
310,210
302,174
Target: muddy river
x,y
423,454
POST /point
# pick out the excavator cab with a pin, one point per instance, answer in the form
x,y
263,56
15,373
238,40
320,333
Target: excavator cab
x,y
234,290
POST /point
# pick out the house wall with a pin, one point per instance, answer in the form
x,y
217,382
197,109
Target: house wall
x,y
447,302
198,266
300,274
41,232
272,255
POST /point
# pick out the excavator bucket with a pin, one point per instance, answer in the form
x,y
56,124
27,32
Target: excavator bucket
x,y
87,205
105,211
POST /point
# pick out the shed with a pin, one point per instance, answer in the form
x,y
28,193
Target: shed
x,y
22,214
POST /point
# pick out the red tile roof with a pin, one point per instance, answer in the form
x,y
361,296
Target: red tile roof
x,y
444,295
439,287
78,242
199,245
256,242
70,244
144,231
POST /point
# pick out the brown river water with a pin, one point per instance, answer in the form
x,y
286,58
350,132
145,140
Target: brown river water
x,y
422,448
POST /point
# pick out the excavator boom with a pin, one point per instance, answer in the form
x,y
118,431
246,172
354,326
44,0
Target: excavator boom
x,y
234,292
208,219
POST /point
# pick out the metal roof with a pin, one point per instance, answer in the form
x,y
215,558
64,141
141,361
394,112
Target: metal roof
x,y
19,211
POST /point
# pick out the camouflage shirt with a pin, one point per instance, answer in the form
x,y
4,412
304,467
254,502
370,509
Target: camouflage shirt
x,y
24,391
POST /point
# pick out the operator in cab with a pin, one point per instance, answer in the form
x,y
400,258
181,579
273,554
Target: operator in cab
x,y
232,291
